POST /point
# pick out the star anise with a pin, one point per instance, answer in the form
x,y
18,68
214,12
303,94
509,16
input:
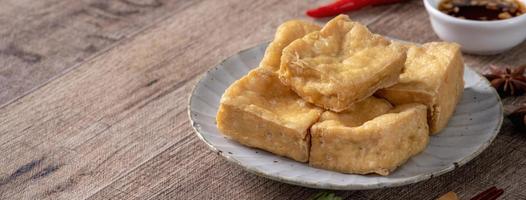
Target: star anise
x,y
518,117
508,82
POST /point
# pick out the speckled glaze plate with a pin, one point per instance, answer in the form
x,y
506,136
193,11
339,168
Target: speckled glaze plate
x,y
473,127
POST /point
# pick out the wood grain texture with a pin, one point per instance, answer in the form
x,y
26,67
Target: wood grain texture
x,y
115,125
42,39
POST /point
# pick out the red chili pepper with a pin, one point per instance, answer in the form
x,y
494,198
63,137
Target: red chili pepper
x,y
342,6
491,193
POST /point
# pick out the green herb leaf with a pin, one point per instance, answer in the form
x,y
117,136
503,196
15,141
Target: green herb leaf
x,y
325,196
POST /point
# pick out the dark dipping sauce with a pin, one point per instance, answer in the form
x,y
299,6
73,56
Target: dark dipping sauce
x,y
483,10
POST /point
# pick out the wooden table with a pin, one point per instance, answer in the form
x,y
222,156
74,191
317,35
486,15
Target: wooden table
x,y
94,99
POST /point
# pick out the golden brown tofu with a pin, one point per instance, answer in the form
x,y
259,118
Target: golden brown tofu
x,y
433,76
449,196
370,137
342,64
258,111
286,33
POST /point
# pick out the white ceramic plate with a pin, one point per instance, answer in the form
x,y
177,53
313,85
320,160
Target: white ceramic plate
x,y
473,127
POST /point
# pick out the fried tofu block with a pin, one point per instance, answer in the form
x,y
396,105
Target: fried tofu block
x,y
258,111
449,196
286,33
341,64
369,137
433,76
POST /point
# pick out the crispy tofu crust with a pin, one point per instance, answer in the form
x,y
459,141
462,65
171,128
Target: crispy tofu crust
x,y
339,67
258,111
286,33
371,137
433,76
341,64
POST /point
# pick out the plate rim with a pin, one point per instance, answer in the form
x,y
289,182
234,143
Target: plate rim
x,y
319,185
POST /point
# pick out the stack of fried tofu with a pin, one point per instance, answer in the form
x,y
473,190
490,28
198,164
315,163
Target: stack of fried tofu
x,y
342,98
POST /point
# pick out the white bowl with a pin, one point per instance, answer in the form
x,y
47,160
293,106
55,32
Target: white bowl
x,y
477,37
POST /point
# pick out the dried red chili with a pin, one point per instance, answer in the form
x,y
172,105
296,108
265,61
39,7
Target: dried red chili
x,y
491,193
342,6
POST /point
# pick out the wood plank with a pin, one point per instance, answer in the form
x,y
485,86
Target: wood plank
x,y
180,173
43,39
